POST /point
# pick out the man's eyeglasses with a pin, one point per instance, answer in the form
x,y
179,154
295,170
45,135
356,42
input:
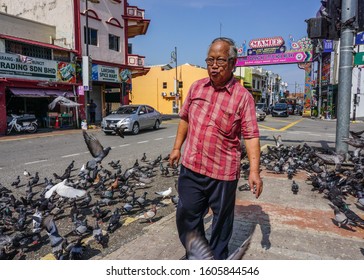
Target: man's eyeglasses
x,y
219,61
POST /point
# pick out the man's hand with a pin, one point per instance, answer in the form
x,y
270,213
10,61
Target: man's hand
x,y
255,183
174,157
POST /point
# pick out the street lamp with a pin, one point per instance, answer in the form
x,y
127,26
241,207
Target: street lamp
x,y
174,59
87,75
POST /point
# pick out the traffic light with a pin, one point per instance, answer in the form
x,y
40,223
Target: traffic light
x,y
360,14
318,28
334,18
328,23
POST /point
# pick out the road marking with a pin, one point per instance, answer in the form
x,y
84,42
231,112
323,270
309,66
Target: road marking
x,y
112,147
37,161
72,155
141,142
124,145
172,136
157,139
267,127
290,125
312,134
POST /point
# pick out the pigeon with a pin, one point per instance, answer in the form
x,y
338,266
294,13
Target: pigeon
x,y
62,100
340,217
74,250
55,238
26,174
164,193
278,141
98,235
114,221
144,158
149,215
65,191
336,158
197,248
294,187
96,149
16,182
356,134
119,131
141,199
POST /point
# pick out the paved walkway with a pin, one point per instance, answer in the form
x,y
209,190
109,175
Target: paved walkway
x,y
286,227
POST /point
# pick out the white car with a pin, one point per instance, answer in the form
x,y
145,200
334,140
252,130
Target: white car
x,y
260,114
132,118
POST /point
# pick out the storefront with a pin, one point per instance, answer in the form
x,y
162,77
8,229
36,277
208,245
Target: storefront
x,y
28,85
111,87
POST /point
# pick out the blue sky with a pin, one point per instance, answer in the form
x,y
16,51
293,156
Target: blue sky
x,y
190,25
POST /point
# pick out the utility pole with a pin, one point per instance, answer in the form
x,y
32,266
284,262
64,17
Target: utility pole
x,y
348,11
319,48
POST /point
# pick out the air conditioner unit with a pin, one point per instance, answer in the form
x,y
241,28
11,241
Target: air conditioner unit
x,y
164,94
172,93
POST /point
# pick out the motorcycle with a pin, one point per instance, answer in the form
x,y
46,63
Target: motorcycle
x,y
27,123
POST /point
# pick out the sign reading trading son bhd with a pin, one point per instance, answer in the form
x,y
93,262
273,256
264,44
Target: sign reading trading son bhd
x,y
263,52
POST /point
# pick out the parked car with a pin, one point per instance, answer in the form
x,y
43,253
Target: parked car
x,y
299,110
262,106
260,114
290,109
132,118
280,110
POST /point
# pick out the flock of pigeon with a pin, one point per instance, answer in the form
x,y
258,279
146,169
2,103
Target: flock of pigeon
x,y
96,200
336,175
93,200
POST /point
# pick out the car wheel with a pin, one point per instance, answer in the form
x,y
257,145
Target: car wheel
x,y
156,125
135,129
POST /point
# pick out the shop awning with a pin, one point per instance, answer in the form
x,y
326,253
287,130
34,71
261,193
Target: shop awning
x,y
31,92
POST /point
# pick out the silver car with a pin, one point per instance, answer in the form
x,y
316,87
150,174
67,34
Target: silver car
x,y
260,114
132,118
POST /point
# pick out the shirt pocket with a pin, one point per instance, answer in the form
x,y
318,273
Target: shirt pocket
x,y
225,121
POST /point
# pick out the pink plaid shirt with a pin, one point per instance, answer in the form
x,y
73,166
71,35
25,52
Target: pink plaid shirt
x,y
217,118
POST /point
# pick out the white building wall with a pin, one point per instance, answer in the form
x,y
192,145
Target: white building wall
x,y
58,13
25,28
358,87
105,11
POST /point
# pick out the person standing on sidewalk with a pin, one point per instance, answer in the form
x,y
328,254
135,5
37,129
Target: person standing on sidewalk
x,y
217,113
92,111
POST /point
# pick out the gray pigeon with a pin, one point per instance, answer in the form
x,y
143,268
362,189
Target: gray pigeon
x,y
96,149
55,238
197,248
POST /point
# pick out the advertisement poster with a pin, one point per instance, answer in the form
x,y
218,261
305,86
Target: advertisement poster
x,y
25,67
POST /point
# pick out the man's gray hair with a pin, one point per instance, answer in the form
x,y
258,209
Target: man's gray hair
x,y
233,51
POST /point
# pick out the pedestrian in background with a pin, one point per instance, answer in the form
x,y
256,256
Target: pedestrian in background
x,y
217,113
92,111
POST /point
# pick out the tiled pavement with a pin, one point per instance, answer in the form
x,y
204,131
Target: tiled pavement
x,y
286,227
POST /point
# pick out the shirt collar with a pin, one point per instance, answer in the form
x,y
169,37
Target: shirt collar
x,y
228,86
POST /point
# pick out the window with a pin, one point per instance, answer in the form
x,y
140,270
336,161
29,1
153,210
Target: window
x,y
130,48
114,42
180,84
164,84
28,50
92,36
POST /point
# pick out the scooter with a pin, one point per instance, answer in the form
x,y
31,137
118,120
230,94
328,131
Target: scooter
x,y
27,123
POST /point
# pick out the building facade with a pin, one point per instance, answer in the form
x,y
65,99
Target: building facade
x,y
51,34
157,87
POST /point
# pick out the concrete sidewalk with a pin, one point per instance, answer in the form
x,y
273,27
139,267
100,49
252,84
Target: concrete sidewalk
x,y
286,227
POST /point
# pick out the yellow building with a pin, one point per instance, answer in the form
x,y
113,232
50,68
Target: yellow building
x,y
157,87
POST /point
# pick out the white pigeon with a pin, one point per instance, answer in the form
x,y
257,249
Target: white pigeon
x,y
63,101
165,193
65,191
